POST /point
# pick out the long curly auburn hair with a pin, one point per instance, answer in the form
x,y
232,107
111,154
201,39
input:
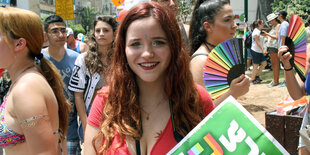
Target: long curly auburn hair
x,y
121,112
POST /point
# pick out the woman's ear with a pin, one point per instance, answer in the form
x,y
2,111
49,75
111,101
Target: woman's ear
x,y
20,44
207,26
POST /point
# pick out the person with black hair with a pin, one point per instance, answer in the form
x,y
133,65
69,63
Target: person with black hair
x,y
283,28
90,69
282,33
212,23
63,58
258,51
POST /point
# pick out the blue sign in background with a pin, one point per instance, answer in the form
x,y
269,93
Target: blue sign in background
x,y
5,2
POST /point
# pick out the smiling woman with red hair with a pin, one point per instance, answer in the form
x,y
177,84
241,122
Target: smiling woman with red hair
x,y
152,101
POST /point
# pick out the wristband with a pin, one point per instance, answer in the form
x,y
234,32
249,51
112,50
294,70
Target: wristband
x,y
288,69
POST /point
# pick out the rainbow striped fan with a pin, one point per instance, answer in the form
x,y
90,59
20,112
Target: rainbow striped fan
x,y
296,41
223,64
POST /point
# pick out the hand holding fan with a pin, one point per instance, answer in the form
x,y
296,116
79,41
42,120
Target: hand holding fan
x,y
223,64
296,41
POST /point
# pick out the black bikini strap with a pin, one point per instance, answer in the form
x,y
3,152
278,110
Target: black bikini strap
x,y
176,135
138,149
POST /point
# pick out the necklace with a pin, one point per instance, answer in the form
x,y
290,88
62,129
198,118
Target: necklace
x,y
207,43
149,113
18,77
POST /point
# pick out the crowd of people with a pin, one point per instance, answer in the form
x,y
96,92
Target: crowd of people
x,y
136,87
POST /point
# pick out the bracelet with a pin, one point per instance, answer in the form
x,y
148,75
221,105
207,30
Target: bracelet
x,y
288,69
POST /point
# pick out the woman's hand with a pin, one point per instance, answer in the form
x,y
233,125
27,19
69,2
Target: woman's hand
x,y
265,52
239,86
285,56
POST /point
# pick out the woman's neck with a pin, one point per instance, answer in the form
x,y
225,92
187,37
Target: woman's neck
x,y
103,49
18,69
211,43
150,92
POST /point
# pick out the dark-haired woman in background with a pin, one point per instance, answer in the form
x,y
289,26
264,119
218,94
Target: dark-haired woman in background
x,y
212,23
90,68
258,51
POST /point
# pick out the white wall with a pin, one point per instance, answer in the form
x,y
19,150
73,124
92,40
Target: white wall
x,y
238,8
33,5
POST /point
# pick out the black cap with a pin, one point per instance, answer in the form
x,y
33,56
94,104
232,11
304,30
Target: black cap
x,y
283,13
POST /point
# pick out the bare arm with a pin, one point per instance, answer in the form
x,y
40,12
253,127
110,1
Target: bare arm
x,y
84,47
303,151
276,35
90,133
283,40
257,40
38,131
196,67
80,107
295,90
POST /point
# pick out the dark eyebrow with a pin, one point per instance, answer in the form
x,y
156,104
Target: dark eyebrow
x,y
58,28
164,38
134,39
229,16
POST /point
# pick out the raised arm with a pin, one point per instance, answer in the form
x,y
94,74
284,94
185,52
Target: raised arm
x,y
295,89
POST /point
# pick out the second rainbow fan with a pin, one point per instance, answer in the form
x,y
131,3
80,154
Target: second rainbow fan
x,y
296,41
223,64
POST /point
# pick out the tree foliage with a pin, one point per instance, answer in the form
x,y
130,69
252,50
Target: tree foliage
x,y
78,28
88,15
299,7
185,9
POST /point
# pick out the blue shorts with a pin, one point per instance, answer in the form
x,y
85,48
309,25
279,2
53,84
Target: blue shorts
x,y
249,54
258,58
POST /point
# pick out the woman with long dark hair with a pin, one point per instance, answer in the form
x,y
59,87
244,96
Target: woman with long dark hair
x,y
212,23
90,70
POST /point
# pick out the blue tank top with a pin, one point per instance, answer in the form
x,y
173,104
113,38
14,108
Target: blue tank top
x,y
77,49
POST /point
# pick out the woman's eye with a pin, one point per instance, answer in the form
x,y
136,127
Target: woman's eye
x,y
135,44
227,20
97,31
157,43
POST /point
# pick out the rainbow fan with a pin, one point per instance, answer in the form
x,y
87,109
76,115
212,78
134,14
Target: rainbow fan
x,y
296,41
223,64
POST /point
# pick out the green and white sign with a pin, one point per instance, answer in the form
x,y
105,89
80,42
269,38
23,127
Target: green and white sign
x,y
229,129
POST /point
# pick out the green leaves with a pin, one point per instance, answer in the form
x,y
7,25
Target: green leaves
x,y
299,7
88,15
185,9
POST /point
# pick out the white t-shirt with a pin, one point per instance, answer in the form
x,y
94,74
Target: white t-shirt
x,y
255,47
